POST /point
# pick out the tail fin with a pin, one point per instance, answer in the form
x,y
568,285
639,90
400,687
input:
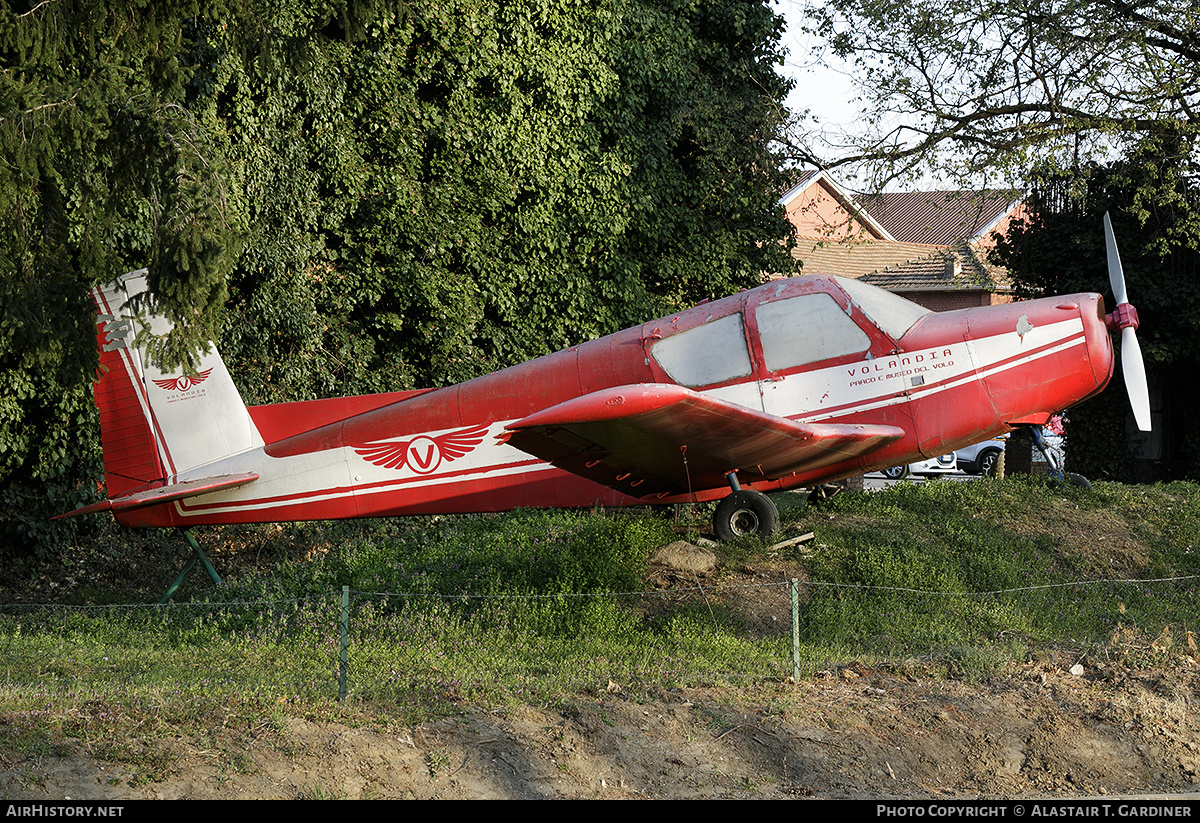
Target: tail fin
x,y
156,425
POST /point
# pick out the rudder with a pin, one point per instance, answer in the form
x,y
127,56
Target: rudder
x,y
156,425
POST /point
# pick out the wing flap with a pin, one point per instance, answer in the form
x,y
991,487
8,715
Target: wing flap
x,y
655,439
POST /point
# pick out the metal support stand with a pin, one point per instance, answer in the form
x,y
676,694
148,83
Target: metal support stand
x,y
200,557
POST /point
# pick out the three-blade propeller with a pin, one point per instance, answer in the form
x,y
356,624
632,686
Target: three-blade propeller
x,y
1124,317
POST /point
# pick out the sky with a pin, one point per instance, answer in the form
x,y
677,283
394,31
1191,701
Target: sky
x,y
822,82
825,86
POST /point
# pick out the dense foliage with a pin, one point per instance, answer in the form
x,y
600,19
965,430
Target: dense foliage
x,y
1154,201
488,182
360,197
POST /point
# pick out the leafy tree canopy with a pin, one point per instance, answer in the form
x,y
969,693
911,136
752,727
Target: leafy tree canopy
x,y
486,182
993,87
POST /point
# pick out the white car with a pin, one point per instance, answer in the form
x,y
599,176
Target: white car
x,y
981,458
945,464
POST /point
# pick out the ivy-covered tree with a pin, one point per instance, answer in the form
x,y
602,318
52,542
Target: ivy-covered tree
x,y
484,182
353,197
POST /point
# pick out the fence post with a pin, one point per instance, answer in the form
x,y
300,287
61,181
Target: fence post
x,y
345,643
795,632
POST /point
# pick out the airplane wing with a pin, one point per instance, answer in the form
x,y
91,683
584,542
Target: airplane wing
x,y
659,438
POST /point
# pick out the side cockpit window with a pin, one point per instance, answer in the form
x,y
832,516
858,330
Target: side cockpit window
x,y
806,329
713,353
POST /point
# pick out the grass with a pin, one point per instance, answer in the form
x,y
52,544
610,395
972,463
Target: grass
x,y
538,607
1005,559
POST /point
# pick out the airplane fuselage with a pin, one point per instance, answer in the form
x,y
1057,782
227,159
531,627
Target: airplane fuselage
x,y
941,382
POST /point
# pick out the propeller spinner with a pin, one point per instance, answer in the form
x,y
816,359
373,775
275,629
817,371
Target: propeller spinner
x,y
1124,317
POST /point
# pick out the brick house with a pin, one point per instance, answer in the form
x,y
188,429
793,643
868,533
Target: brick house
x,y
931,247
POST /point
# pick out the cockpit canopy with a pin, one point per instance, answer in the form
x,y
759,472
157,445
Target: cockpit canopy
x,y
792,331
890,312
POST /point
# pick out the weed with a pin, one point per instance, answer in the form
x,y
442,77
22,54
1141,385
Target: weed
x,y
437,761
243,763
971,663
320,791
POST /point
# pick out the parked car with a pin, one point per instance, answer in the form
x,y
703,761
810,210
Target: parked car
x,y
981,458
945,464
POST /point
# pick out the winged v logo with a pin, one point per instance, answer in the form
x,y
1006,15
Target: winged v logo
x,y
422,454
183,382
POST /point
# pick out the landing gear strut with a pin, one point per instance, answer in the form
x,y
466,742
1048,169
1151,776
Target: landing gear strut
x,y
743,513
1057,472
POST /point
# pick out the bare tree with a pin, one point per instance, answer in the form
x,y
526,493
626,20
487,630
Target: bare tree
x,y
982,86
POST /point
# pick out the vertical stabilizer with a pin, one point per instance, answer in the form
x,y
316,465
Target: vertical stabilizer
x,y
155,424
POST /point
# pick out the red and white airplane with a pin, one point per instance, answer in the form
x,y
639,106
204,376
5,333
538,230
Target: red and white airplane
x,y
793,384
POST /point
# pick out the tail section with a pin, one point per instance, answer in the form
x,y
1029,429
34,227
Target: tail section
x,y
156,425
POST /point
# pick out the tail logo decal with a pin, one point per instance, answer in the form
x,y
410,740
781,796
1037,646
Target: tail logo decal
x,y
183,382
423,454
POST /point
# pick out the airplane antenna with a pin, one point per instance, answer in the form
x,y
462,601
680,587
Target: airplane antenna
x,y
688,473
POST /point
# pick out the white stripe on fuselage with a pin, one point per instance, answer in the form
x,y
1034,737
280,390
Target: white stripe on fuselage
x,y
866,385
339,473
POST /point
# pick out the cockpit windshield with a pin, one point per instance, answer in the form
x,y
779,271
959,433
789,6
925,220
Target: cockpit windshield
x,y
890,312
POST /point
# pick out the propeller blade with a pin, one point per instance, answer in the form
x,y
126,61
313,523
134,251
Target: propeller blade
x,y
1135,378
1116,275
1132,365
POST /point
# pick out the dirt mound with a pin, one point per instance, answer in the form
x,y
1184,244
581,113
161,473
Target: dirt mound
x,y
850,733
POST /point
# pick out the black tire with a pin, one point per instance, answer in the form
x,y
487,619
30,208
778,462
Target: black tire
x,y
1078,480
745,513
896,472
987,462
1071,479
823,492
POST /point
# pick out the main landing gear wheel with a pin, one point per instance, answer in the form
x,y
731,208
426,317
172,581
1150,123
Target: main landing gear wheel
x,y
745,513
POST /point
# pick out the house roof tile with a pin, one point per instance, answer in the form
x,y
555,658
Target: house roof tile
x,y
858,259
961,268
939,217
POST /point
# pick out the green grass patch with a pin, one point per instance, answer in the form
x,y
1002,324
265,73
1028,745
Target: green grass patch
x,y
538,607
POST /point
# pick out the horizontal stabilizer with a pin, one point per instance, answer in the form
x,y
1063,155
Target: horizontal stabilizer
x,y
142,498
660,438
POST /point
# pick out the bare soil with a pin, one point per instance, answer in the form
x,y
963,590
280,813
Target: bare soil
x,y
850,733
1056,726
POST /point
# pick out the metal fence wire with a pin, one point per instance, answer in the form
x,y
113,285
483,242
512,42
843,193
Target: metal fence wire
x,y
430,649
